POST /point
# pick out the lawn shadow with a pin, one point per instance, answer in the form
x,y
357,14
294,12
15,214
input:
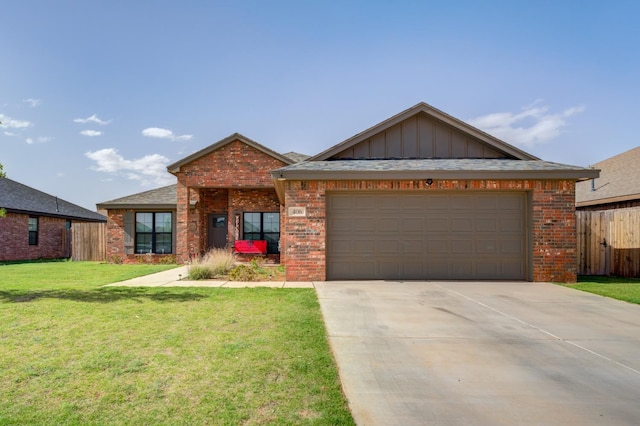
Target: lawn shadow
x,y
101,295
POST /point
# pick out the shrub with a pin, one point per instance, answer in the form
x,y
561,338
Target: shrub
x,y
199,272
219,260
169,259
242,273
117,259
214,263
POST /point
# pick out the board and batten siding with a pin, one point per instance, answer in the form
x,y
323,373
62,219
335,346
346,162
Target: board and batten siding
x,y
609,242
420,137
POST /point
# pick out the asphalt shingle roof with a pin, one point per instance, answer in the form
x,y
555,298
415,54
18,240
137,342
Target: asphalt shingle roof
x,y
159,197
619,180
441,166
17,197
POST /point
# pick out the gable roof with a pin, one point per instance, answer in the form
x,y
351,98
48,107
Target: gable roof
x,y
159,198
175,167
18,198
619,181
296,157
486,139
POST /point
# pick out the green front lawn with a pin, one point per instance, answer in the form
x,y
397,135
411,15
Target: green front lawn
x,y
73,352
627,289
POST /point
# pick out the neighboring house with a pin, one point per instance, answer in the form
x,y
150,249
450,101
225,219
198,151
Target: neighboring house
x,y
36,225
421,195
618,185
608,215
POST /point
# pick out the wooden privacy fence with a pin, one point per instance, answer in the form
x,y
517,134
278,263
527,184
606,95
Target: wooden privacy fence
x,y
609,242
88,241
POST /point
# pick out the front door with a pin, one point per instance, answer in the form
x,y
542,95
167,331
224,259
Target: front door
x,y
217,230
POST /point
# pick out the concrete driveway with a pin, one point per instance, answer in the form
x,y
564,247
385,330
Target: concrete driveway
x,y
478,353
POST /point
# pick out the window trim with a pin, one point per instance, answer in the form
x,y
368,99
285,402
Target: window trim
x,y
261,233
33,233
153,232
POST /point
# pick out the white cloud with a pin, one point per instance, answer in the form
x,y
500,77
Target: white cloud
x,y
32,102
150,169
532,126
93,119
157,132
91,133
11,134
8,122
39,139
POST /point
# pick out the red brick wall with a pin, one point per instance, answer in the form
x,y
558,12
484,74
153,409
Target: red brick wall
x,y
237,168
115,235
553,256
14,235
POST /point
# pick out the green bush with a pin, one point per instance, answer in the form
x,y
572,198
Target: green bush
x,y
167,260
243,273
200,272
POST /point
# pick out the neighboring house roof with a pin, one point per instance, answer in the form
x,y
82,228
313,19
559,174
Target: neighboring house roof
x,y
175,167
439,116
18,198
469,168
159,198
619,181
297,157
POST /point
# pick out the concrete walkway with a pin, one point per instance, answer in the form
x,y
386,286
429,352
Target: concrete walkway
x,y
178,278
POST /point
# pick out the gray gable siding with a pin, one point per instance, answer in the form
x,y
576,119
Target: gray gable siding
x,y
419,136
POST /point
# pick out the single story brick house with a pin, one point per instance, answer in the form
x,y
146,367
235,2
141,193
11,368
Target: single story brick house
x,y
37,225
421,195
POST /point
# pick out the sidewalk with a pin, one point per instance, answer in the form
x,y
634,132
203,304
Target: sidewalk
x,y
178,278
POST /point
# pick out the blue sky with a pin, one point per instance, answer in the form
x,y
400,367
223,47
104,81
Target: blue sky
x,y
98,97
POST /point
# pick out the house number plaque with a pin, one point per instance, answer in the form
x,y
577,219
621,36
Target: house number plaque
x,y
297,211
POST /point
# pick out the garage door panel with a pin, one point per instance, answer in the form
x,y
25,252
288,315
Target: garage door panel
x,y
446,235
435,246
486,247
511,225
514,247
460,202
438,224
462,224
413,246
413,224
486,224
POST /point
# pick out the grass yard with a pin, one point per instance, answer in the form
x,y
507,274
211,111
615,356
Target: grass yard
x,y
72,352
627,289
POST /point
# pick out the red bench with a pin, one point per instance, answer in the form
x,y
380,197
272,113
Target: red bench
x,y
250,247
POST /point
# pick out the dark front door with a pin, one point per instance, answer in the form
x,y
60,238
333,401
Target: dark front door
x,y
217,230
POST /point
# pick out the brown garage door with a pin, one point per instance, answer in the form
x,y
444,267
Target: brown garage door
x,y
444,235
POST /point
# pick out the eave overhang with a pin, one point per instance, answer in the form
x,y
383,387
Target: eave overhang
x,y
107,206
464,169
432,174
609,200
59,216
